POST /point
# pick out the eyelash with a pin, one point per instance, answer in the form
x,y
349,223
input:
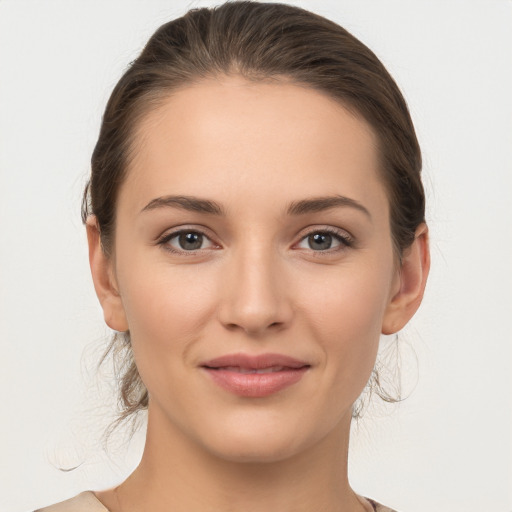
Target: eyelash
x,y
345,240
165,239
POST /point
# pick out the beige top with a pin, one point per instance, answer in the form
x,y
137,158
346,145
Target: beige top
x,y
87,502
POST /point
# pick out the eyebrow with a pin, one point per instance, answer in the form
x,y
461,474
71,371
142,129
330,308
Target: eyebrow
x,y
318,204
302,207
189,203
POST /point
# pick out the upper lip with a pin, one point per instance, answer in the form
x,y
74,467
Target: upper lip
x,y
254,362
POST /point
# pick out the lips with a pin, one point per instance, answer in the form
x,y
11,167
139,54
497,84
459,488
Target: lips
x,y
255,376
259,371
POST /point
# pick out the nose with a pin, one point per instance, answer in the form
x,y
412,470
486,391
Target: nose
x,y
255,295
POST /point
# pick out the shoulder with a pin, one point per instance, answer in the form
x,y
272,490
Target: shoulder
x,y
84,502
378,507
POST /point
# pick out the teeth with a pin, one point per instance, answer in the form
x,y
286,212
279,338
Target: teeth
x,y
237,369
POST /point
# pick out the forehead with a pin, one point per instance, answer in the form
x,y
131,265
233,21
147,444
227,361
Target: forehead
x,y
229,137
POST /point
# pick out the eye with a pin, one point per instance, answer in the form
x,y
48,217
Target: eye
x,y
185,241
325,240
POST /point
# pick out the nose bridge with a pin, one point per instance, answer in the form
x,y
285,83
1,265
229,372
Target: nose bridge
x,y
254,295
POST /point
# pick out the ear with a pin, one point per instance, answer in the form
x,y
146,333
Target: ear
x,y
411,280
104,279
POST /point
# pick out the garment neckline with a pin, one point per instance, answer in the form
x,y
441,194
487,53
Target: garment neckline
x,y
92,494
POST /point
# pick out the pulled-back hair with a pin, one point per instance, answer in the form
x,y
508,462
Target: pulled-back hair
x,y
260,42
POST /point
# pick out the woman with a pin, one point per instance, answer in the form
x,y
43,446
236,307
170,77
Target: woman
x,y
255,219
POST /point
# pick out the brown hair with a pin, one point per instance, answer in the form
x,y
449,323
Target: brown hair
x,y
259,41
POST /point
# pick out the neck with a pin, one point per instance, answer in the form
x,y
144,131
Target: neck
x,y
177,474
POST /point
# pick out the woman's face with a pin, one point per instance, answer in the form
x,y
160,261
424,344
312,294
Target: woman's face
x,y
254,265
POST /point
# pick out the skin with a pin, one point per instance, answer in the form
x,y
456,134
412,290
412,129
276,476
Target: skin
x,y
255,285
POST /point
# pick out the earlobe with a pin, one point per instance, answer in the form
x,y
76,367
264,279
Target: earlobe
x,y
104,279
412,277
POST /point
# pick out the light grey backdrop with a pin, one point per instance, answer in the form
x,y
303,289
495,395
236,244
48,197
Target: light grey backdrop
x,y
448,447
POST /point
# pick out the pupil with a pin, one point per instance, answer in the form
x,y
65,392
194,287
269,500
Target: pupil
x,y
320,241
190,241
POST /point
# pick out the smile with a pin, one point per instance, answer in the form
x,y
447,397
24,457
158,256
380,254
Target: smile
x,y
239,369
255,376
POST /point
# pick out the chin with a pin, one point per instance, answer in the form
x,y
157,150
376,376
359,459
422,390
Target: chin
x,y
262,442
255,451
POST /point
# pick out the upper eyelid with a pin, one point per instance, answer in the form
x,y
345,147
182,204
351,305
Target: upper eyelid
x,y
163,241
344,241
170,233
342,233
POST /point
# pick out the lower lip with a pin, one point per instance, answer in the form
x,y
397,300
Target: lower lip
x,y
256,385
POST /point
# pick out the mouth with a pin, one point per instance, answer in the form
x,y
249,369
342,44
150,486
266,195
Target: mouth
x,y
239,369
255,376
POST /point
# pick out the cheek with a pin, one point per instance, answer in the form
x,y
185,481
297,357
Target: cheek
x,y
347,301
346,319
166,309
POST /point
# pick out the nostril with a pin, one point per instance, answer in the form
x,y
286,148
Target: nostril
x,y
253,329
254,312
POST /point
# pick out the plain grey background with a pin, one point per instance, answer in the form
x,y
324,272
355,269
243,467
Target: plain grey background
x,y
447,447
